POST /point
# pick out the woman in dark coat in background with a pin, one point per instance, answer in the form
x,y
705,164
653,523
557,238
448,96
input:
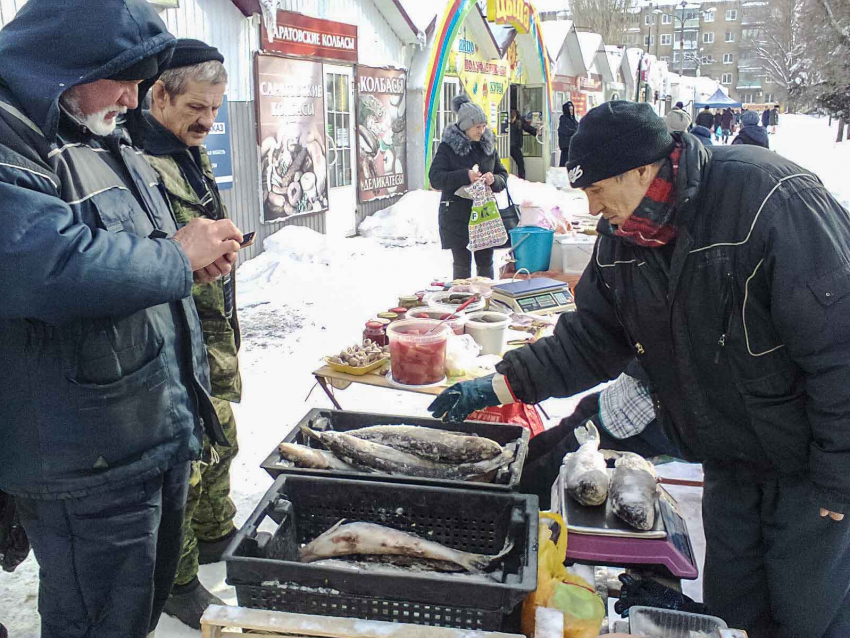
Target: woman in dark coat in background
x,y
566,129
466,153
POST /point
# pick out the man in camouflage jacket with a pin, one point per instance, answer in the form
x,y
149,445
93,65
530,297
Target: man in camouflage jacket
x,y
184,104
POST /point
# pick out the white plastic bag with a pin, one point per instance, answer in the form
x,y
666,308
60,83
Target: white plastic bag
x,y
461,352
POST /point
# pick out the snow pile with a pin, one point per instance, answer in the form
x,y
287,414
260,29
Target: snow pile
x,y
411,220
558,178
826,158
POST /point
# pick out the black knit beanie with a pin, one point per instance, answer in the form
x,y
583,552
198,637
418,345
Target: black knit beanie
x,y
614,138
189,52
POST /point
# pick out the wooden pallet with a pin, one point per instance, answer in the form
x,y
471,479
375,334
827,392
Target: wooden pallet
x,y
219,620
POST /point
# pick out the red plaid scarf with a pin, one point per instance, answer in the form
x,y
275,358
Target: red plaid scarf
x,y
652,224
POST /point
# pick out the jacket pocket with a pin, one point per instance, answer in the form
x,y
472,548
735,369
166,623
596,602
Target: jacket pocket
x,y
117,423
776,407
117,212
219,339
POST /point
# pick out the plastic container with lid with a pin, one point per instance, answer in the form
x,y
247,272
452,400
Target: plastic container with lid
x,y
451,301
408,301
391,316
375,331
489,329
417,358
456,323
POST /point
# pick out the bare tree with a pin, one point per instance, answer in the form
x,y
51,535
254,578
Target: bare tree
x,y
608,18
775,36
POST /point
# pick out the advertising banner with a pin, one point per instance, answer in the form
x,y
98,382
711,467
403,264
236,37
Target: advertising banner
x,y
484,81
300,35
290,132
381,133
218,148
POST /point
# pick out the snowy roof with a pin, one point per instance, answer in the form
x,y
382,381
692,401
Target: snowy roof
x,y
423,13
754,4
554,34
502,34
590,43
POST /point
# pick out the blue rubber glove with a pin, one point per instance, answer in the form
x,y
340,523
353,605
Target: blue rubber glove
x,y
462,399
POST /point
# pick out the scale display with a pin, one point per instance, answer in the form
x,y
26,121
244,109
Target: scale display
x,y
540,296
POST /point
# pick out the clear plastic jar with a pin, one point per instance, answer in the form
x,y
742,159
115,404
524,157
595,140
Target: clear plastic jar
x,y
418,358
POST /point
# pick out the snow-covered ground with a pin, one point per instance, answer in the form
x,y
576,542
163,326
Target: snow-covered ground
x,y
309,295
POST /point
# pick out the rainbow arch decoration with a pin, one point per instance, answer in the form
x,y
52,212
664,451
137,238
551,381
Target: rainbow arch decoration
x,y
444,36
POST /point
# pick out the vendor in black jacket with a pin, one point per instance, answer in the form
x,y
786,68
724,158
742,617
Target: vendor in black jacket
x,y
726,272
466,153
567,127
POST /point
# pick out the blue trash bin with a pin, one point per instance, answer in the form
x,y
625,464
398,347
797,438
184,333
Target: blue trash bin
x,y
535,251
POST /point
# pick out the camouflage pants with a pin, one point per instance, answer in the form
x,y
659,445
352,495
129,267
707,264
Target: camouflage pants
x,y
209,510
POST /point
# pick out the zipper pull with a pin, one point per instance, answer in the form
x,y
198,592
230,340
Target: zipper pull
x,y
639,348
721,344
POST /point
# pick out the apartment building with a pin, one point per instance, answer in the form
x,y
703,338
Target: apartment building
x,y
709,38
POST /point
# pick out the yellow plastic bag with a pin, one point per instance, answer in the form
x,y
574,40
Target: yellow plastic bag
x,y
582,607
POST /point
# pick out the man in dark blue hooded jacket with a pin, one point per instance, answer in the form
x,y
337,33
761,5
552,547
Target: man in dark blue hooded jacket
x,y
106,383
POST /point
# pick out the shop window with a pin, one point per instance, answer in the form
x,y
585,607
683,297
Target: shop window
x,y
532,101
708,38
666,39
503,136
666,19
731,14
339,108
445,115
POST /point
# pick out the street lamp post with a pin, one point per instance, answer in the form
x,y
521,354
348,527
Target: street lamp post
x,y
656,15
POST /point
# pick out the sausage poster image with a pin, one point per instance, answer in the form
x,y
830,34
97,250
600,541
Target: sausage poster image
x,y
381,133
290,126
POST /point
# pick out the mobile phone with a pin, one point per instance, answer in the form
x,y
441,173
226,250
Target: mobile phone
x,y
247,239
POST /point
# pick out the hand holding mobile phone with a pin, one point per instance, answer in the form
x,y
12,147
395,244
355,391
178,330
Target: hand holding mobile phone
x,y
247,239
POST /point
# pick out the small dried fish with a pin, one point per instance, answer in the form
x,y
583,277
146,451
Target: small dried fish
x,y
369,539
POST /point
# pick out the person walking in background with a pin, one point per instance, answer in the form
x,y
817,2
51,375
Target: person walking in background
x,y
716,125
566,129
751,132
185,101
774,118
518,127
765,117
705,118
726,121
702,134
466,154
677,120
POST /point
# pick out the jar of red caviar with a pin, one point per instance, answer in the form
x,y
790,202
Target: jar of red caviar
x,y
375,331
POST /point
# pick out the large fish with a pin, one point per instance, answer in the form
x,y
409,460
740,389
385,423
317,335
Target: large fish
x,y
585,469
383,458
634,491
308,457
368,539
430,443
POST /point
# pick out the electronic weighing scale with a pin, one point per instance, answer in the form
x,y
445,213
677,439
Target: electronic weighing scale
x,y
598,537
533,296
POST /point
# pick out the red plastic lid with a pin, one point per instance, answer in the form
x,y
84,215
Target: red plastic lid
x,y
375,325
399,311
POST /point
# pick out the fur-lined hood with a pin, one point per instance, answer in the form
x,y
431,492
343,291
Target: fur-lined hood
x,y
461,144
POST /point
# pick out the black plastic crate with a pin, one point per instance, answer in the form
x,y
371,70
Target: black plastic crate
x,y
514,437
471,520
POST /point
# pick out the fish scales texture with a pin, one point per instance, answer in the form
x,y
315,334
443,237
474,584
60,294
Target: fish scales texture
x,y
634,491
351,539
586,473
387,459
431,443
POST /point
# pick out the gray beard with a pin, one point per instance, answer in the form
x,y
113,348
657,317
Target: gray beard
x,y
95,122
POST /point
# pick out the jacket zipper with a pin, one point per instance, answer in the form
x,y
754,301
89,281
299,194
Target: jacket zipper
x,y
728,307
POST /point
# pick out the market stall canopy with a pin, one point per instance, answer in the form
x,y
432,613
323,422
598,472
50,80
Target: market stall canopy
x,y
719,101
562,43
